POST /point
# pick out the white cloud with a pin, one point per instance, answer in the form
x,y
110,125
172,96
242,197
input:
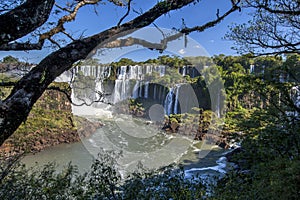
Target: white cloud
x,y
182,51
197,46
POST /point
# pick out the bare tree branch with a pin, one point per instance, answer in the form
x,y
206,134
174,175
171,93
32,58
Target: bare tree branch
x,y
126,14
59,28
235,7
33,14
273,30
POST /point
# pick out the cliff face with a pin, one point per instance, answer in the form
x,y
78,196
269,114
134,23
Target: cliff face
x,y
50,122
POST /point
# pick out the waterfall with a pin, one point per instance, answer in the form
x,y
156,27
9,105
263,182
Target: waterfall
x,y
140,89
146,93
94,71
176,99
121,90
172,100
135,93
117,89
218,104
252,67
162,70
184,71
122,87
169,102
98,88
122,72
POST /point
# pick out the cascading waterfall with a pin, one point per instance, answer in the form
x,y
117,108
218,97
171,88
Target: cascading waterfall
x,y
123,88
131,82
172,100
140,89
252,67
98,89
135,93
218,104
190,71
176,100
184,71
117,91
146,94
169,102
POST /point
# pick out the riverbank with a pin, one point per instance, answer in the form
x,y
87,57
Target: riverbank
x,y
49,123
38,140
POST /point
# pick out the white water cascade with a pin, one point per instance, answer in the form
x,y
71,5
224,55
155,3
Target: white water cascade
x,y
218,110
133,82
169,102
176,100
123,89
252,67
98,89
94,71
146,94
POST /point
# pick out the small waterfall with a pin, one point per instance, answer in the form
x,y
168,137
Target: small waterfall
x,y
252,67
121,90
93,71
176,100
140,89
218,104
117,91
135,93
184,71
169,102
146,93
122,72
162,70
98,89
172,100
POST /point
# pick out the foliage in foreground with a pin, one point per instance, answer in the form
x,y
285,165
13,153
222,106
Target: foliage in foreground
x,y
103,181
269,160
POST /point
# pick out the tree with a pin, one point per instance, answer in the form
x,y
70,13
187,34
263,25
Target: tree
x,y
10,59
271,141
29,17
274,28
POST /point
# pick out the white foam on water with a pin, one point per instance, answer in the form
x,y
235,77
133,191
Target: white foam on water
x,y
220,167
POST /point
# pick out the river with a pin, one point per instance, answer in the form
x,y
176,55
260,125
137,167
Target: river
x,y
139,142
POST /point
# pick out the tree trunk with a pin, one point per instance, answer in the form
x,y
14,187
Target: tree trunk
x,y
24,19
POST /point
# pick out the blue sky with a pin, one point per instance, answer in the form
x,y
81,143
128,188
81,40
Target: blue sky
x,y
88,23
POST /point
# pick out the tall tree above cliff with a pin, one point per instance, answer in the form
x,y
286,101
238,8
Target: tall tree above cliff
x,y
30,18
274,28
